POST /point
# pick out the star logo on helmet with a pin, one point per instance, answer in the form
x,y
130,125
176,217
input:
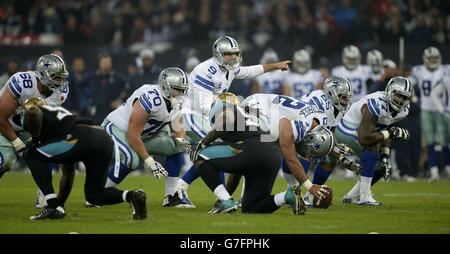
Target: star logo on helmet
x,y
164,75
46,64
317,146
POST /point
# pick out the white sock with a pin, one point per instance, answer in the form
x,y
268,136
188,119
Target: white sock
x,y
243,187
290,179
354,191
434,172
221,192
279,199
171,185
182,185
109,183
124,195
50,196
365,184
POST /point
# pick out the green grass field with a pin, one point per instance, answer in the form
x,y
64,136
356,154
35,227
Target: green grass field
x,y
408,208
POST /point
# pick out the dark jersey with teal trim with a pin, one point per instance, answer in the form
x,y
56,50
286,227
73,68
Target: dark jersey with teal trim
x,y
57,122
242,127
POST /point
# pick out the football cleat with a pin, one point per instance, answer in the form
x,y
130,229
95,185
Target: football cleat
x,y
137,201
367,199
293,197
40,200
50,213
224,206
350,200
177,202
89,205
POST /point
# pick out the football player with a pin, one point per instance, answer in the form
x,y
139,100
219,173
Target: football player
x,y
353,70
302,79
367,127
427,76
140,127
271,82
374,60
60,137
49,82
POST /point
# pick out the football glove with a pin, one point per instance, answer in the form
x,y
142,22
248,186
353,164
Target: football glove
x,y
398,133
196,151
19,147
385,164
155,167
350,164
342,149
184,144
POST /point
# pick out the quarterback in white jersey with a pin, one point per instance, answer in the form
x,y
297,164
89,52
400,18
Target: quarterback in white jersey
x,y
427,77
367,127
302,80
352,70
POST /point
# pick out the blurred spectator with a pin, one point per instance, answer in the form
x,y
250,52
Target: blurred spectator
x,y
108,89
12,66
148,72
79,87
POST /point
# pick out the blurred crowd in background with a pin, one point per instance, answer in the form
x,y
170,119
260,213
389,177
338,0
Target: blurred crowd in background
x,y
145,28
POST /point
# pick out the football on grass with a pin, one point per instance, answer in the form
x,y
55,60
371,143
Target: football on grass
x,y
324,202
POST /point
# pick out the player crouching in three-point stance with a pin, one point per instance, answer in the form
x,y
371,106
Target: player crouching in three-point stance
x,y
367,129
60,137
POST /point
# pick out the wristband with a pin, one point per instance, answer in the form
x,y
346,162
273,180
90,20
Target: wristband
x,y
18,144
307,184
385,150
385,134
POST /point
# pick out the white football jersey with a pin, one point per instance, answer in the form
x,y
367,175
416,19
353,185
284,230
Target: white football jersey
x,y
357,77
207,80
376,77
301,84
378,107
24,85
151,100
321,100
271,108
271,82
427,81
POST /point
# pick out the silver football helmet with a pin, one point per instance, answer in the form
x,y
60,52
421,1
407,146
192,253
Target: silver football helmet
x,y
174,84
317,143
351,57
339,91
52,71
223,46
399,92
301,61
432,58
269,56
375,60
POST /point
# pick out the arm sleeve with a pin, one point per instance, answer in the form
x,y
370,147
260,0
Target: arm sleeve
x,y
298,130
145,103
373,108
246,72
14,87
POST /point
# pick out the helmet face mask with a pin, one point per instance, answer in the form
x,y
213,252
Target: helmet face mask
x,y
432,58
174,84
398,92
375,60
51,71
226,53
339,91
301,61
351,57
317,143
